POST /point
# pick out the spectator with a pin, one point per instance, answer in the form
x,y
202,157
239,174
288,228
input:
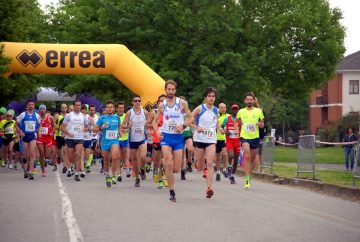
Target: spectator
x,y
349,149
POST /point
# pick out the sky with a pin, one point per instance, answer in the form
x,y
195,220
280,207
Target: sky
x,y
351,21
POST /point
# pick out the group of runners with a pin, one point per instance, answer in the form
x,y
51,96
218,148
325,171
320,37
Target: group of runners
x,y
168,139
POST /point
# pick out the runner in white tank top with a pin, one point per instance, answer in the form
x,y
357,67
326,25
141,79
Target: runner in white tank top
x,y
171,139
135,120
137,129
205,135
173,117
207,120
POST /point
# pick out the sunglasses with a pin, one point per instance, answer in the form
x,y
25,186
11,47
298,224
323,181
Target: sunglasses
x,y
136,101
8,115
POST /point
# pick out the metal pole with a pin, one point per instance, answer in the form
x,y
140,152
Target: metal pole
x,y
283,132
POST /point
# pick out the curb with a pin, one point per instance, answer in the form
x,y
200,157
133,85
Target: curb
x,y
347,193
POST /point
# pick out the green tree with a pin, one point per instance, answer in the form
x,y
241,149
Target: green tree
x,y
302,42
280,49
20,21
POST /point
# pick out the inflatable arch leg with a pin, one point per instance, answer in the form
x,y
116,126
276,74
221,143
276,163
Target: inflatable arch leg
x,y
33,58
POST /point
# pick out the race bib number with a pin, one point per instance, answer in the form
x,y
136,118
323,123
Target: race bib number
x,y
137,130
171,126
77,129
209,133
86,136
250,128
232,134
9,130
30,126
44,130
150,139
111,134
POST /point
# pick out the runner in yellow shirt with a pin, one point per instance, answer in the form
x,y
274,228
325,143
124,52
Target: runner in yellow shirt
x,y
7,127
251,119
220,145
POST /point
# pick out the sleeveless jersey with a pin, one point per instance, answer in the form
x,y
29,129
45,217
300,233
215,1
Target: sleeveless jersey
x,y
221,118
172,117
229,126
137,130
29,123
46,127
59,121
207,120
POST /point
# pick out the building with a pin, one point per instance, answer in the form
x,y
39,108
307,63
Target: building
x,y
339,97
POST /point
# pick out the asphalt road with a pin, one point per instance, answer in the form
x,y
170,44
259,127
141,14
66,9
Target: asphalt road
x,y
56,208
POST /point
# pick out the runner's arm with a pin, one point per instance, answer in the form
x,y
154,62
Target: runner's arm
x,y
196,113
218,127
18,130
150,118
38,119
261,123
124,124
96,126
236,126
54,120
147,117
63,127
86,126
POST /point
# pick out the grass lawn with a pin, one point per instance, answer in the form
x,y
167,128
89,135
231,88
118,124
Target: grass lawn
x,y
342,178
334,155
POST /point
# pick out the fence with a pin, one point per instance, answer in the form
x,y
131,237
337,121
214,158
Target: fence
x,y
306,155
267,157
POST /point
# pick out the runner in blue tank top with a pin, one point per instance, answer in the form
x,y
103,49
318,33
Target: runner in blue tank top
x,y
170,134
29,124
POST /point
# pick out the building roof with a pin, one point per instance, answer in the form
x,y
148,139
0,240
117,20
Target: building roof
x,y
350,63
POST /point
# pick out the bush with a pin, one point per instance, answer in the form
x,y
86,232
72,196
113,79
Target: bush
x,y
336,133
328,135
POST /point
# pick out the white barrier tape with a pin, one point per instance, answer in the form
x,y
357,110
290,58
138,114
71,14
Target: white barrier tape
x,y
336,143
286,144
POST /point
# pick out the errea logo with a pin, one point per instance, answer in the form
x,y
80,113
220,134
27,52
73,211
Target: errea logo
x,y
33,58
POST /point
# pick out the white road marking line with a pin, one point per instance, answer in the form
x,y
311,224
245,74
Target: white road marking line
x,y
67,213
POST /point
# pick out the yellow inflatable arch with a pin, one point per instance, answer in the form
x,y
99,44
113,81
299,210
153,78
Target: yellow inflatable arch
x,y
33,58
